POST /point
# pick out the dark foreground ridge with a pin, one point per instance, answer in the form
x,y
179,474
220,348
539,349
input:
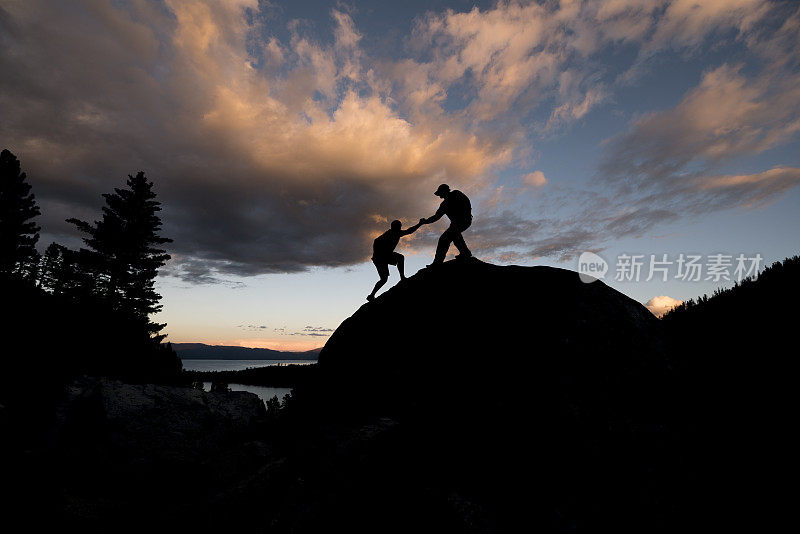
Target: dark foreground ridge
x,y
470,398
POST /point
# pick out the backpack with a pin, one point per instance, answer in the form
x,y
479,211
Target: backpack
x,y
460,207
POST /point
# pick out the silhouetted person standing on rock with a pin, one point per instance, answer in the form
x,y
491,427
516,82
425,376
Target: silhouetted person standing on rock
x,y
458,209
383,253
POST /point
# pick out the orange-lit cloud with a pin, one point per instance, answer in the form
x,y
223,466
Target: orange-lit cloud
x,y
274,154
728,115
535,179
660,305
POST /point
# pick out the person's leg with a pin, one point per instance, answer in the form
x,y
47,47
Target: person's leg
x,y
444,244
458,241
461,245
400,260
379,284
383,272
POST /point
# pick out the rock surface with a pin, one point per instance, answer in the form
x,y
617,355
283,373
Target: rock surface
x,y
470,324
125,457
147,422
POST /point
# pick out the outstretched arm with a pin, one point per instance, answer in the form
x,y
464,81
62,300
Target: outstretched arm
x,y
435,217
412,229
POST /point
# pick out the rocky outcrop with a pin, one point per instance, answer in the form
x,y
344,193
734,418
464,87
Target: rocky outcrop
x,y
130,457
450,312
144,424
470,324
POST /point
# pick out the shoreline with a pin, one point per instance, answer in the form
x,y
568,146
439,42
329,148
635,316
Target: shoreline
x,y
268,376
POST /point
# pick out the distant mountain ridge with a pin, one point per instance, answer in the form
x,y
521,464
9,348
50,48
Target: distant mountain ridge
x,y
201,351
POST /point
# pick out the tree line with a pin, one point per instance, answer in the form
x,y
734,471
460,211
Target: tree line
x,y
103,292
770,287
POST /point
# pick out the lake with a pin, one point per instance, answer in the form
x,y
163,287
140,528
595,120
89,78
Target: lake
x,y
264,393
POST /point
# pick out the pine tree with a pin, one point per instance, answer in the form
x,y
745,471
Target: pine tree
x,y
51,272
18,232
124,250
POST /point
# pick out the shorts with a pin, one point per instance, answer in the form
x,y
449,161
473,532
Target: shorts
x,y
382,264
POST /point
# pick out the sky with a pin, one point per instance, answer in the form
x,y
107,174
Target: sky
x,y
283,137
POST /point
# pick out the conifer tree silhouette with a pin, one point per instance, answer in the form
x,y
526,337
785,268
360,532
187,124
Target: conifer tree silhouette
x,y
51,272
18,232
124,250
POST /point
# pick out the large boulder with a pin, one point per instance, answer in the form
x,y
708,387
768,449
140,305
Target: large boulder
x,y
524,397
473,326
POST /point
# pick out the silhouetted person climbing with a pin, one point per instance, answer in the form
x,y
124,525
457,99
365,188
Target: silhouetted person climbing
x,y
456,206
383,253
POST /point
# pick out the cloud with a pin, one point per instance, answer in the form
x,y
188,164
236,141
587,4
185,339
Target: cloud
x,y
636,219
563,245
252,327
660,305
274,154
260,170
670,163
727,116
317,330
520,53
308,331
512,55
748,190
685,23
535,179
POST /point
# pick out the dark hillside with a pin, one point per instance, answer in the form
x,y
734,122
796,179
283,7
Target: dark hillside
x,y
735,354
470,398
